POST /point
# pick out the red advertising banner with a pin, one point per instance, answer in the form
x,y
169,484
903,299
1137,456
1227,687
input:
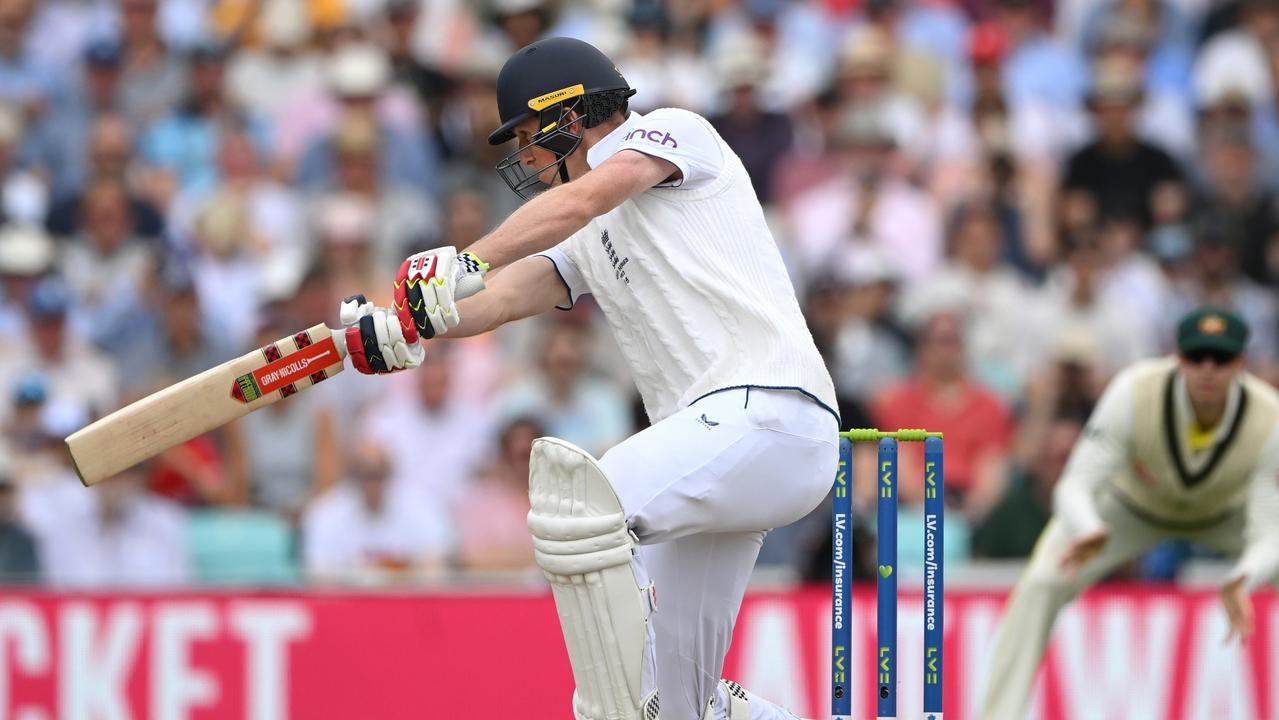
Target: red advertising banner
x,y
1119,653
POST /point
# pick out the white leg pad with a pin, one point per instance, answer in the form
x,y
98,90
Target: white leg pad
x,y
584,548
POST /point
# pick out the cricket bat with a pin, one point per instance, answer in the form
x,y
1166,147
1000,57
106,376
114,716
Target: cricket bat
x,y
209,400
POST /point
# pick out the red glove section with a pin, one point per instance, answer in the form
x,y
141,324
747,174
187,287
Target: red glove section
x,y
408,296
355,350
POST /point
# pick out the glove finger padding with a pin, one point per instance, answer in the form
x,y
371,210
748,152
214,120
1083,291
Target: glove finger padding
x,y
409,305
375,338
427,289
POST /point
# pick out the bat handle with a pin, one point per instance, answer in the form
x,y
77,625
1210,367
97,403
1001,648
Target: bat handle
x,y
339,341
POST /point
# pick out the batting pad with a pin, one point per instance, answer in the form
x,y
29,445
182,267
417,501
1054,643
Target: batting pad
x,y
584,548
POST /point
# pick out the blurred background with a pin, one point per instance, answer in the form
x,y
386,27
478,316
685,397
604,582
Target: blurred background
x,y
987,208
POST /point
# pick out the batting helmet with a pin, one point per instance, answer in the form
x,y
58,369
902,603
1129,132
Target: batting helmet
x,y
547,80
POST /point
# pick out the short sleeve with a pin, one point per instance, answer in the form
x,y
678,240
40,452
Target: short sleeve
x,y
569,273
681,138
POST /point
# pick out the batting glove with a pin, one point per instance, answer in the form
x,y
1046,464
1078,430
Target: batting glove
x,y
428,287
375,341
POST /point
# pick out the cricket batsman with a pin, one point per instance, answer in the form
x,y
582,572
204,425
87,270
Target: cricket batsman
x,y
648,549
1181,447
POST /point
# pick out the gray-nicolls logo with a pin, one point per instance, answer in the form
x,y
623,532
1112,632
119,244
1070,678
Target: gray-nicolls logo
x,y
619,264
707,423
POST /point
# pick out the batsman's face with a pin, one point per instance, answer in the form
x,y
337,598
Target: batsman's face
x,y
534,156
1209,375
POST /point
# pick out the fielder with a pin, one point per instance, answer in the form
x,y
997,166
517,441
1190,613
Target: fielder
x,y
1184,447
648,550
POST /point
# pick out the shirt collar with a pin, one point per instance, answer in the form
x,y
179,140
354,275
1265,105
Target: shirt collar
x,y
607,145
1186,414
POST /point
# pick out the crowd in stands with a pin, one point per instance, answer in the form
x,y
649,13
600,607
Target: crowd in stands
x,y
987,208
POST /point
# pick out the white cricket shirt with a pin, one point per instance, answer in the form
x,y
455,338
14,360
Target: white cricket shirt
x,y
689,276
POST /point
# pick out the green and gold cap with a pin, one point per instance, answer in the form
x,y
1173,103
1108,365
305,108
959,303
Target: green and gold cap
x,y
1211,327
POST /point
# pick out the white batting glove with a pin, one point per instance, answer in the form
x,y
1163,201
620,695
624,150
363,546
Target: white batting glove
x,y
375,341
428,287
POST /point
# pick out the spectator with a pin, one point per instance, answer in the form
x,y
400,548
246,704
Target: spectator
x,y
369,530
344,226
263,80
1118,175
990,294
864,79
427,83
491,517
1236,61
799,41
79,376
663,73
154,80
287,454
248,226
184,144
574,406
866,205
941,396
120,260
34,431
24,82
1038,68
759,136
359,79
18,562
119,535
1234,198
1073,302
1013,526
167,336
430,412
404,219
1164,116
1169,38
109,156
869,350
26,254
1217,280
520,22
24,198
68,132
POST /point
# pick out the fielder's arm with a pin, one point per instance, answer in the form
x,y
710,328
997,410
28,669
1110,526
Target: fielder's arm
x,y
1259,562
561,211
529,286
1100,452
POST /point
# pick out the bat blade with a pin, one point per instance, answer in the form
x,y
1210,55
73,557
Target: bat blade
x,y
206,401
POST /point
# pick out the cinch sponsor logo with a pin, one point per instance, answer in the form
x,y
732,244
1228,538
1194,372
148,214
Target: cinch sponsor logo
x,y
656,136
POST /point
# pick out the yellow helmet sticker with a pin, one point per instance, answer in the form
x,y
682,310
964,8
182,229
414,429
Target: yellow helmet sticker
x,y
544,101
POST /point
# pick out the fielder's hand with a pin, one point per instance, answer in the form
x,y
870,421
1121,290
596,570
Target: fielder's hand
x,y
374,340
428,287
1083,549
1238,605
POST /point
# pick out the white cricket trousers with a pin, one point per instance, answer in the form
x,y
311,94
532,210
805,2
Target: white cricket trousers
x,y
1044,589
700,489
